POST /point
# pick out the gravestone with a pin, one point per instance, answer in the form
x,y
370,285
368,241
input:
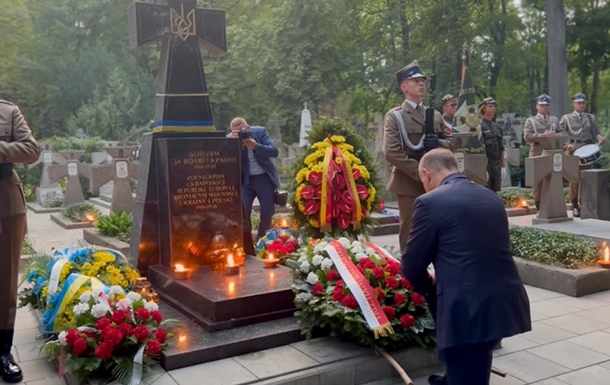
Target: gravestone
x,y
189,188
474,166
72,168
119,171
47,190
550,168
595,194
102,157
511,127
305,127
512,157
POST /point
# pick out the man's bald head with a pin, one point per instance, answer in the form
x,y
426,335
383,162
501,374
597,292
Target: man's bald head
x,y
434,166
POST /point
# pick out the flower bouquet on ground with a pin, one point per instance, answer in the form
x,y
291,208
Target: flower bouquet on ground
x,y
335,183
56,282
119,334
356,290
279,242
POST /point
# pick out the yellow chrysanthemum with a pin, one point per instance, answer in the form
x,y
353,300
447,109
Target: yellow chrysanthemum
x,y
323,145
314,157
65,270
104,256
337,139
44,291
345,147
364,173
302,175
338,160
317,168
132,276
314,223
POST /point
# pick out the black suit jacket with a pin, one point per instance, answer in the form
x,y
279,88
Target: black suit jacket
x,y
462,228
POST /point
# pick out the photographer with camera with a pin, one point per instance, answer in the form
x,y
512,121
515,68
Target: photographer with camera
x,y
260,178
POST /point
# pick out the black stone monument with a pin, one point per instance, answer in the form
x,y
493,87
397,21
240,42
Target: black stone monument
x,y
190,188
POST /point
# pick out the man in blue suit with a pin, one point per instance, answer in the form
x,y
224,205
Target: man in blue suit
x,y
476,294
259,174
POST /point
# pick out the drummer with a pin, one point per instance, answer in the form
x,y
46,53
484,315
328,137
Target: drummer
x,y
582,130
542,124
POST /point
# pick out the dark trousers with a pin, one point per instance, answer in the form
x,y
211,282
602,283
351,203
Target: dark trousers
x,y
469,364
12,232
263,188
495,177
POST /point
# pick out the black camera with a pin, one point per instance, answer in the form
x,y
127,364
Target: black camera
x,y
243,134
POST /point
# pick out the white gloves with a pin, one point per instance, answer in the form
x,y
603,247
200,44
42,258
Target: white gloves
x,y
503,172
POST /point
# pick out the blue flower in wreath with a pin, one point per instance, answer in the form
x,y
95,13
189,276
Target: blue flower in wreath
x,y
80,256
54,300
38,285
32,277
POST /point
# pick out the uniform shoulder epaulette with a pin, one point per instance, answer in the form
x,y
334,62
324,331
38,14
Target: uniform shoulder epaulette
x,y
6,102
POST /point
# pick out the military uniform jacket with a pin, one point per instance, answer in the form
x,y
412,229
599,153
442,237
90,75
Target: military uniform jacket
x,y
535,127
492,138
403,152
17,145
448,124
580,128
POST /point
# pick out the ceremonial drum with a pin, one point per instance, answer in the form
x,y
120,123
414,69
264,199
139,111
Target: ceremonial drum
x,y
588,154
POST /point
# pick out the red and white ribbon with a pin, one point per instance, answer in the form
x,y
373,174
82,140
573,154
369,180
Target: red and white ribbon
x,y
382,252
361,289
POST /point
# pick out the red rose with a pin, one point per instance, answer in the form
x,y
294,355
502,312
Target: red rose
x,y
153,348
332,275
356,173
393,268
141,332
318,192
389,312
125,329
336,195
400,299
156,315
312,207
112,336
71,336
161,335
142,314
318,289
380,293
340,283
307,193
363,192
343,221
338,294
80,346
378,273
104,351
360,269
338,182
407,321
349,301
366,263
406,284
119,316
272,247
102,323
392,282
417,299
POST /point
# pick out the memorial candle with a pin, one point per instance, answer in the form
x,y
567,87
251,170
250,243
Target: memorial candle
x,y
283,223
270,262
181,272
605,262
231,268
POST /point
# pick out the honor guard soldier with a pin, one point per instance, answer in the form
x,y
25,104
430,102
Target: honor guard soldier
x,y
582,130
540,125
494,147
449,106
405,142
17,145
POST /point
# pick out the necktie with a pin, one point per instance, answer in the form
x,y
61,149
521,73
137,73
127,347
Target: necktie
x,y
245,167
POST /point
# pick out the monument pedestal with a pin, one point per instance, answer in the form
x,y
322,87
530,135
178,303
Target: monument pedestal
x,y
595,194
474,166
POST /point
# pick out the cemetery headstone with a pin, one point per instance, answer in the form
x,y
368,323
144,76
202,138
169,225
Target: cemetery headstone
x,y
72,169
474,166
102,157
119,171
511,127
551,168
47,190
305,127
512,157
595,194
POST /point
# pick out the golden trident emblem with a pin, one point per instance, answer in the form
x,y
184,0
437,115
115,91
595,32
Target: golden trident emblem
x,y
180,25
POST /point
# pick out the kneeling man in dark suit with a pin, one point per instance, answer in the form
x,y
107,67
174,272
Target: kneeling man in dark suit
x,y
462,229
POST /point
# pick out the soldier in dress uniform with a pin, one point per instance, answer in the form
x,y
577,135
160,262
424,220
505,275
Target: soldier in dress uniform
x,y
449,106
17,145
582,130
494,147
405,143
540,125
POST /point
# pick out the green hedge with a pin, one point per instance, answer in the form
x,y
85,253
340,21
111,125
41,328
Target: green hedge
x,y
554,248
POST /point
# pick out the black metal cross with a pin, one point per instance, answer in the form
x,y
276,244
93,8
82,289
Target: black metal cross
x,y
182,103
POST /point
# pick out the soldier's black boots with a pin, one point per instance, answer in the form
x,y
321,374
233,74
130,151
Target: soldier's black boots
x,y
11,372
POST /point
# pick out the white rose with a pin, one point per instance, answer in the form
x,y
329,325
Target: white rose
x,y
312,278
320,246
81,308
357,244
97,292
305,267
99,310
317,260
133,296
302,258
303,297
151,306
359,256
345,242
62,339
327,263
116,290
85,297
369,251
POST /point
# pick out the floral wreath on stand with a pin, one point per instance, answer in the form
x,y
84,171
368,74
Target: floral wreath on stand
x,y
335,183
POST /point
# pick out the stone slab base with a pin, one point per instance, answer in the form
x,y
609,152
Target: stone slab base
x,y
539,221
38,209
94,237
100,202
575,283
595,229
66,224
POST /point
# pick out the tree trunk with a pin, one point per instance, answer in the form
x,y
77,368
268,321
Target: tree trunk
x,y
404,30
594,92
557,59
583,82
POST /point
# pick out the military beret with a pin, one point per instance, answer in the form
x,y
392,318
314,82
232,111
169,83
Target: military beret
x,y
580,97
447,98
543,99
488,100
411,71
